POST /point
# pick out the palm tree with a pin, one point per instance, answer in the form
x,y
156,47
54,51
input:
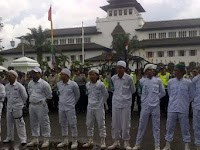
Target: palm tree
x,y
61,60
120,40
40,36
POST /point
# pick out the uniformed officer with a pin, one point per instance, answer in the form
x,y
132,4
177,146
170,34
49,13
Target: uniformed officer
x,y
16,98
164,76
152,91
2,97
121,106
180,95
39,93
97,96
196,109
69,95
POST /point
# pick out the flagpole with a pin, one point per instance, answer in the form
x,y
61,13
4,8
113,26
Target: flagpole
x,y
52,40
83,48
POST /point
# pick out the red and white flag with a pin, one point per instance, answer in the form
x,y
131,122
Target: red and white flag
x,y
127,43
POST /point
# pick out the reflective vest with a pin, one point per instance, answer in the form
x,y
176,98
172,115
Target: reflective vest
x,y
165,79
134,78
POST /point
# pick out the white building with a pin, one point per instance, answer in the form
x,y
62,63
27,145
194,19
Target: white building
x,y
164,41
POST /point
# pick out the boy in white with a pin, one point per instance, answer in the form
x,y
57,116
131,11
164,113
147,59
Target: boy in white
x,y
69,94
2,97
196,110
97,95
121,106
152,91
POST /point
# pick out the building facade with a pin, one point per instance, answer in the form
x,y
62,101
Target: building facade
x,y
164,42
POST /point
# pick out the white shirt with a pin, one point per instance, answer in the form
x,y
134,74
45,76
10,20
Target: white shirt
x,y
180,95
97,95
69,95
152,91
196,84
16,95
123,90
39,91
2,92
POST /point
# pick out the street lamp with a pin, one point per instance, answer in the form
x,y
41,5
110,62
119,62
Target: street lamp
x,y
31,44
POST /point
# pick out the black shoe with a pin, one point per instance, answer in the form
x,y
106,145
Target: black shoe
x,y
23,144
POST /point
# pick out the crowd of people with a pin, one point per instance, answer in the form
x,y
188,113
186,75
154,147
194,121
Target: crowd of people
x,y
95,92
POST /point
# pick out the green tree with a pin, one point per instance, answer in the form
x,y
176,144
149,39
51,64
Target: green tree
x,y
2,60
120,40
61,59
40,36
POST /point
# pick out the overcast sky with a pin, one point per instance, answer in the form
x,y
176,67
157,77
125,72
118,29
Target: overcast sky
x,y
19,15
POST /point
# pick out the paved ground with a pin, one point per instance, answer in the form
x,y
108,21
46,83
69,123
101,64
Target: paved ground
x,y
56,134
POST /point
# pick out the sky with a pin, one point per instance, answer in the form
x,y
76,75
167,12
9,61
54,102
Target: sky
x,y
19,15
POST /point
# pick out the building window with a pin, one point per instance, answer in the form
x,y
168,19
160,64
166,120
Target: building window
x,y
193,52
160,54
152,35
48,59
181,53
172,35
150,54
162,35
55,42
120,12
73,57
87,40
171,53
78,40
70,41
110,13
182,34
115,12
130,11
62,41
125,11
193,33
80,58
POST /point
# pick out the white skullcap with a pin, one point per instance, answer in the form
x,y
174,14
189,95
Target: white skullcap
x,y
66,71
37,69
149,66
94,70
154,67
14,73
121,63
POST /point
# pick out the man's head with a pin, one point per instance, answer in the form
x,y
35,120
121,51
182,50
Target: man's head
x,y
53,71
149,70
12,76
195,71
163,70
94,75
121,68
36,74
65,75
179,70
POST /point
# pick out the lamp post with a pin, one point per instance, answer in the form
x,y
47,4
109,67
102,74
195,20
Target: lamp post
x,y
23,42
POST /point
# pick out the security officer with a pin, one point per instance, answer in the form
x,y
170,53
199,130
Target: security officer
x,y
97,95
39,93
16,96
180,95
164,76
69,95
196,109
2,97
121,106
152,91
